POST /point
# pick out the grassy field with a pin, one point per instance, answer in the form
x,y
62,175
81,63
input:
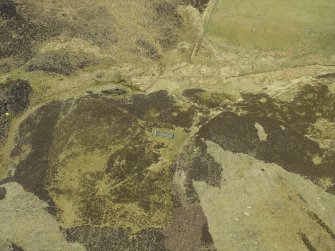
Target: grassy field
x,y
297,27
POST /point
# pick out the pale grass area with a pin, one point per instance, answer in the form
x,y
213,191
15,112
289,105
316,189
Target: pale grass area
x,y
262,135
299,27
264,210
25,221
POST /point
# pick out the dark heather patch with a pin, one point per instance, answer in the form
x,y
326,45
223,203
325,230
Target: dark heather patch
x,y
115,92
7,9
261,104
301,198
89,113
149,239
286,123
206,238
310,103
2,193
60,62
158,109
322,224
87,25
14,99
168,38
231,132
204,167
307,242
36,131
331,189
198,4
18,37
15,247
4,181
14,96
167,13
192,93
328,76
287,148
198,165
207,99
188,230
147,49
109,239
